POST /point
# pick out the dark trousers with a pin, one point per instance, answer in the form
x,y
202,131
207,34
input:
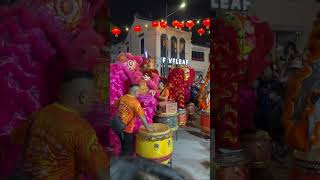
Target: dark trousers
x,y
127,143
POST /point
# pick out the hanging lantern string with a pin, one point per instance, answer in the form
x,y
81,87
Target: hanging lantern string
x,y
196,20
160,23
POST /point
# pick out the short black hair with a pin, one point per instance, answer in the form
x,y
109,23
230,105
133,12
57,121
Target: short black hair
x,y
77,74
134,85
162,81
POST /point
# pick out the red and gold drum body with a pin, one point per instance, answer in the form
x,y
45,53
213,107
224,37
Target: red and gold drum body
x,y
182,117
205,123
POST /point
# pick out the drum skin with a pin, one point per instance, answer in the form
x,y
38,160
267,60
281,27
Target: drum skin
x,y
156,146
205,123
169,119
306,167
258,148
182,117
234,167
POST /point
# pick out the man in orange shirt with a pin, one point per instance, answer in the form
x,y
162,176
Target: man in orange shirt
x,y
59,143
128,109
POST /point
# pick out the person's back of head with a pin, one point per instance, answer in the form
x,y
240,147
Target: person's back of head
x,y
134,89
78,91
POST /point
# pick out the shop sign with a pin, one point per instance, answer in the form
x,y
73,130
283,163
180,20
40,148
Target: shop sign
x,y
235,5
175,61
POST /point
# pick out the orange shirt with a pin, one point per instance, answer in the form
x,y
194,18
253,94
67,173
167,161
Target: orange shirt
x,y
128,109
165,93
62,146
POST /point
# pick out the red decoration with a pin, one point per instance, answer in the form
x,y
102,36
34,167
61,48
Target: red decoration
x,y
226,74
137,29
190,24
206,23
163,24
155,24
201,31
180,91
181,25
116,31
175,23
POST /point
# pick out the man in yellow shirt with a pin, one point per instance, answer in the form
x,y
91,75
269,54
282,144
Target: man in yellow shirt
x,y
60,144
128,109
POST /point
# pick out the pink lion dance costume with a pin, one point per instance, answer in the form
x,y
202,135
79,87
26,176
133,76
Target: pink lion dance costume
x,y
127,71
39,40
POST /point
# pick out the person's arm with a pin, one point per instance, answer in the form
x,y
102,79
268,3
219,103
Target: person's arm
x,y
140,112
90,157
144,122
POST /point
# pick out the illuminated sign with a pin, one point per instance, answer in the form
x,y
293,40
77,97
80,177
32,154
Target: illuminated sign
x,y
175,61
236,5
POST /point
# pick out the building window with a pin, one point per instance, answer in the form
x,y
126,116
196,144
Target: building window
x,y
163,45
142,46
128,49
174,42
197,56
182,48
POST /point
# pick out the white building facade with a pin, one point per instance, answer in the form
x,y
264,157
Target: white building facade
x,y
152,42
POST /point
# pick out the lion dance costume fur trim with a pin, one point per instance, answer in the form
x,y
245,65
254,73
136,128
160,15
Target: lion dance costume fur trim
x,y
181,79
39,41
240,46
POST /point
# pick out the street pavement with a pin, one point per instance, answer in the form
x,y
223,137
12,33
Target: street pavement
x,y
191,157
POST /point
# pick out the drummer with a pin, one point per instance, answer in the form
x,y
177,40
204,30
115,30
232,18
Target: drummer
x,y
165,91
128,109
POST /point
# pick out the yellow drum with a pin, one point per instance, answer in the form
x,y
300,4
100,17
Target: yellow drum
x,y
157,145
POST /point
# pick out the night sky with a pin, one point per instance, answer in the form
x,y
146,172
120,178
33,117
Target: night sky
x,y
123,11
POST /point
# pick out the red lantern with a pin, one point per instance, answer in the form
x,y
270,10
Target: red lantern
x,y
116,31
137,29
175,23
201,31
163,24
206,23
190,24
155,24
181,25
